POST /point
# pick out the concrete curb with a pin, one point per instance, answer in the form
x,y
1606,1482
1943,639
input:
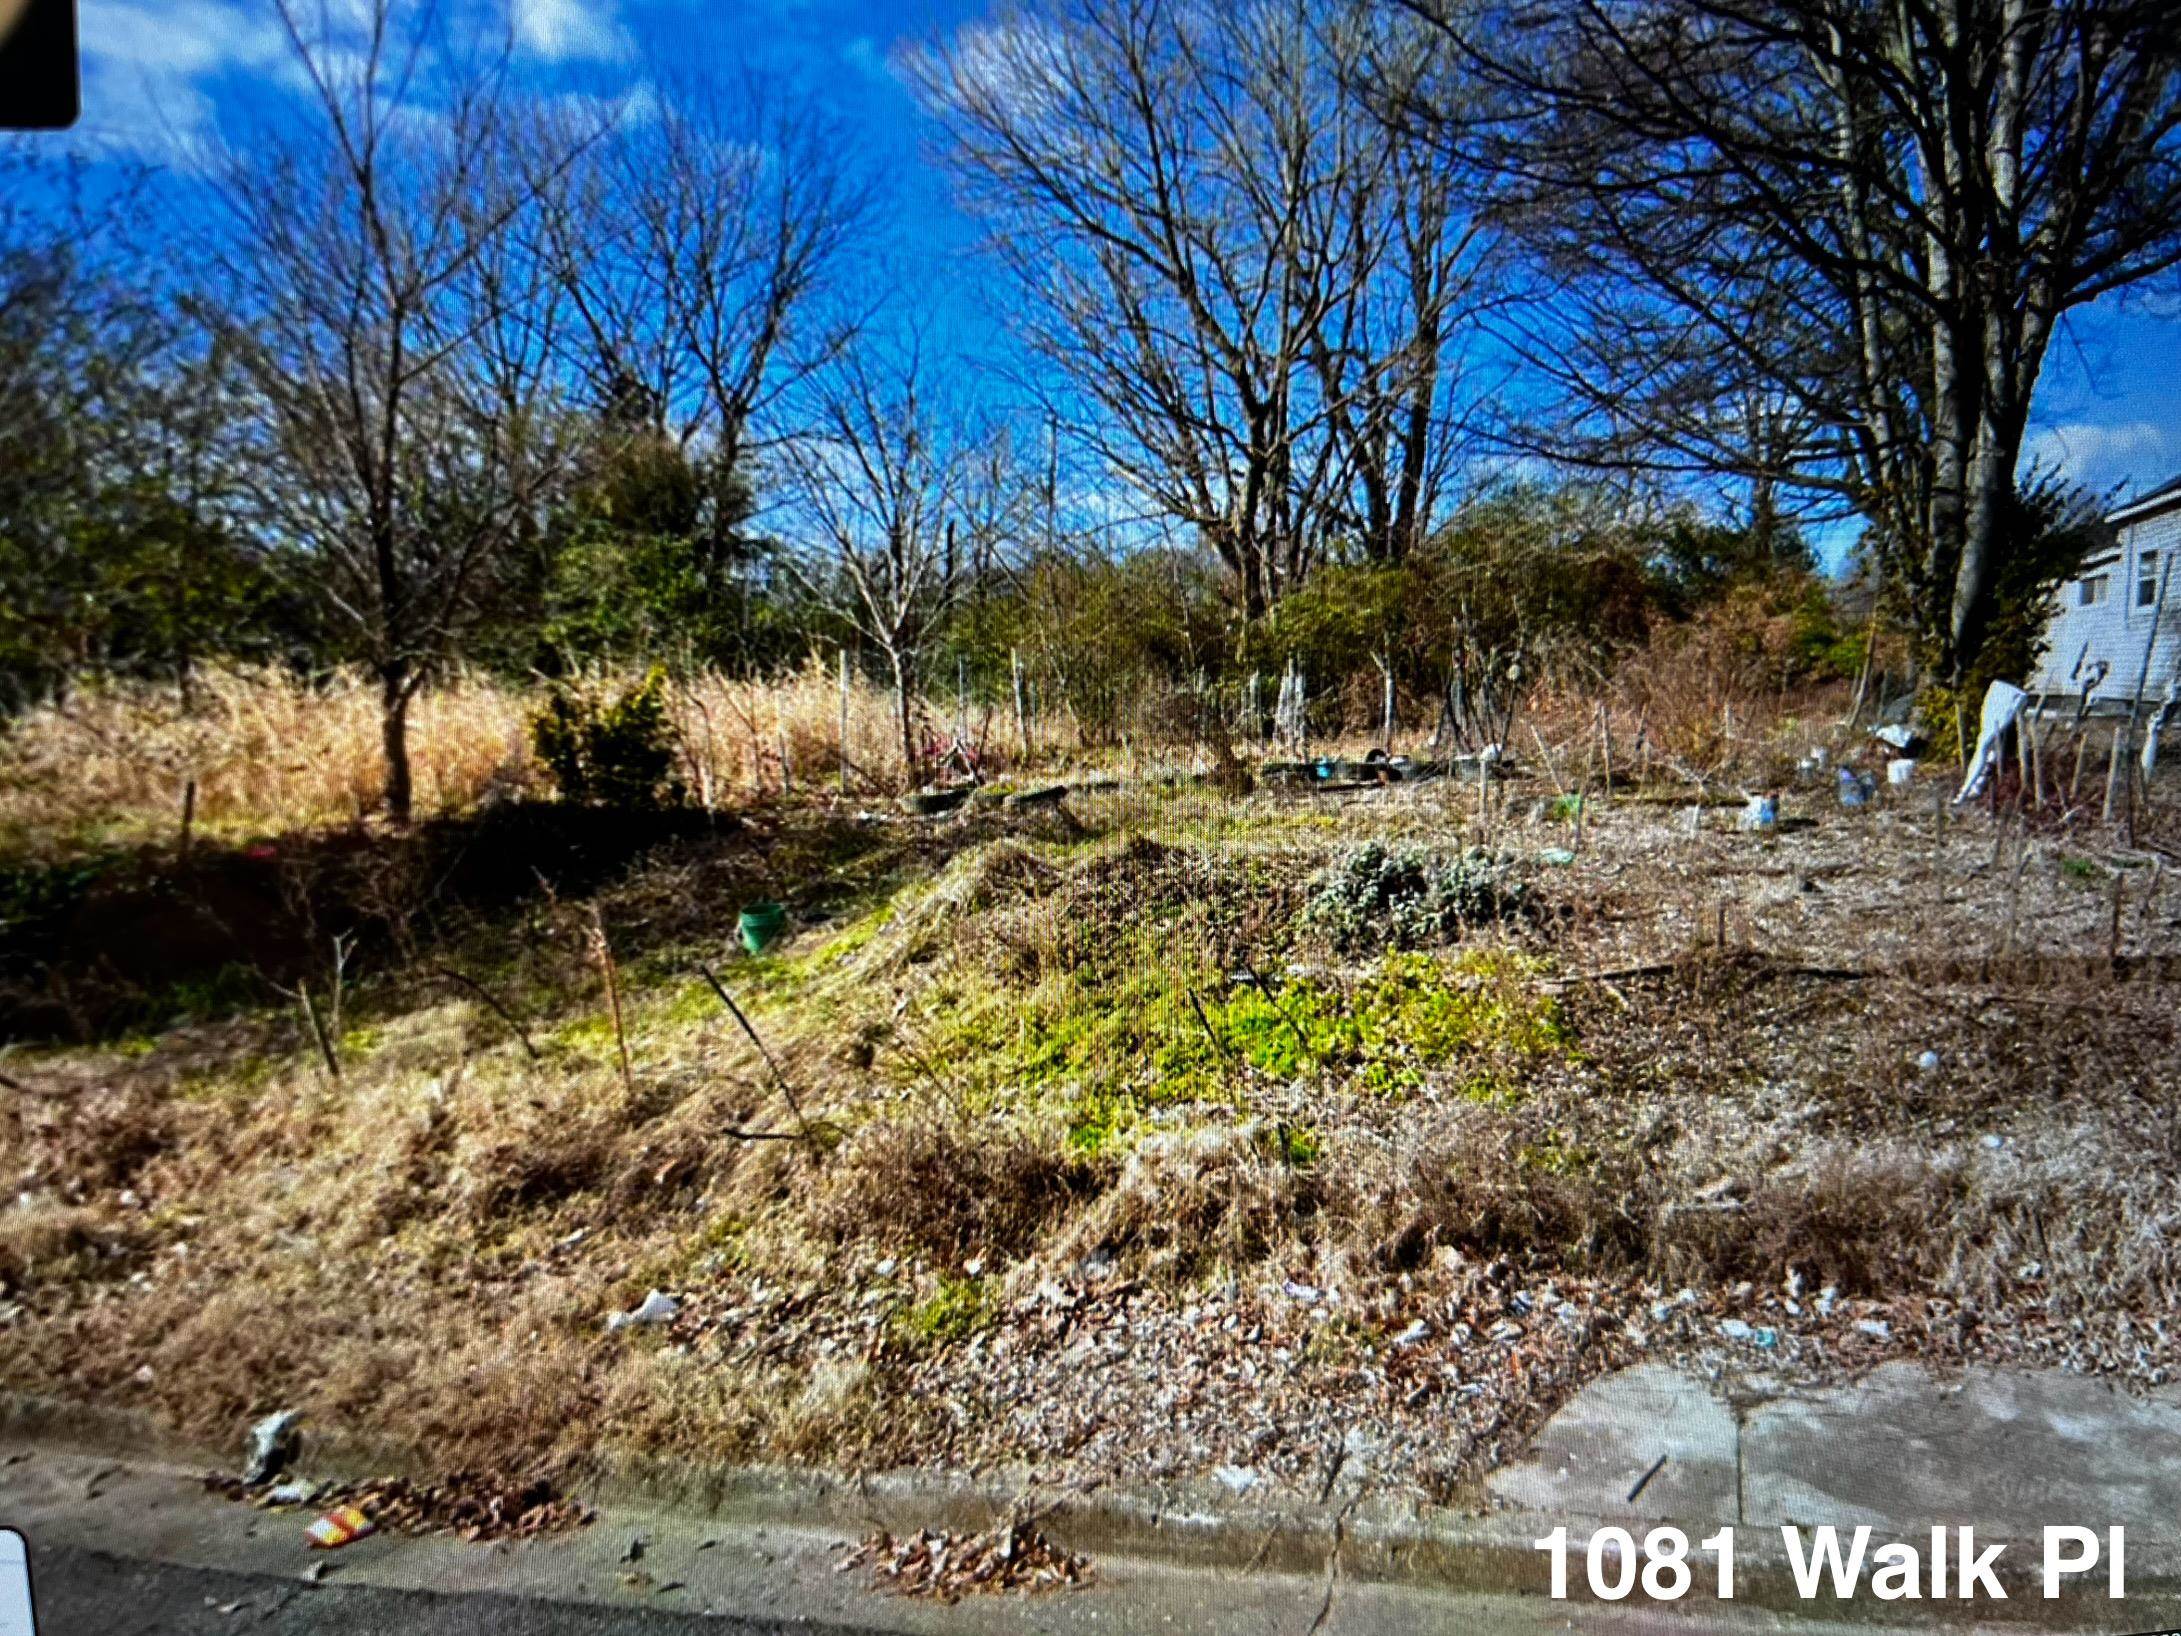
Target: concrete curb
x,y
1190,1526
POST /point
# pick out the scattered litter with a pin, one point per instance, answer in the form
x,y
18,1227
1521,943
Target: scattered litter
x,y
1239,1479
1761,814
295,1493
1995,1141
1856,789
316,1572
338,1527
1898,735
634,1550
1901,771
1736,1330
950,1566
658,1308
143,1375
1559,857
1307,1294
1827,1297
1416,1333
469,1505
1928,1062
1644,1481
272,1446
1876,1328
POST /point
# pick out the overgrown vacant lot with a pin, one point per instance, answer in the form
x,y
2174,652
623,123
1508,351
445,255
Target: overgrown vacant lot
x,y
1165,1133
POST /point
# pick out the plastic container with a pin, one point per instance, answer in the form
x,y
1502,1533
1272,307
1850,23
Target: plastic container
x,y
760,924
1761,814
1901,771
1856,788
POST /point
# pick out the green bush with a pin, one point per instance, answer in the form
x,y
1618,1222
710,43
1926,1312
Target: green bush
x,y
615,754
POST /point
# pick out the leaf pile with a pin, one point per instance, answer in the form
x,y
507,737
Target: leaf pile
x,y
470,1505
951,1566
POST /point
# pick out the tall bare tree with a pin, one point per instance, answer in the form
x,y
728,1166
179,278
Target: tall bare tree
x,y
1865,217
1248,293
705,246
904,501
379,278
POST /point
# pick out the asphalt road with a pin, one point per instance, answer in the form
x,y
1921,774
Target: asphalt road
x,y
88,1593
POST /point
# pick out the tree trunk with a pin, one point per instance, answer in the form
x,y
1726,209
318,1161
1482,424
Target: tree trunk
x,y
394,736
904,692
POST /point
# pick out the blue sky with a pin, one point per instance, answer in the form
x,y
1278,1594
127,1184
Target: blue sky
x,y
2109,412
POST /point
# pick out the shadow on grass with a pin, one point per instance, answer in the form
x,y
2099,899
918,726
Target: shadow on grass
x,y
134,937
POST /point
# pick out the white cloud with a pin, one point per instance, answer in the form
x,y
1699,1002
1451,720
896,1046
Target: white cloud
x,y
1020,65
2134,452
569,30
143,68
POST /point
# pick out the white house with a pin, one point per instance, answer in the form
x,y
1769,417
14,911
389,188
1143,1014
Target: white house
x,y
2104,617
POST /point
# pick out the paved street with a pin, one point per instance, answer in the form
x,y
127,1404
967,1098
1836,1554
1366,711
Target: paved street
x,y
136,1545
85,1592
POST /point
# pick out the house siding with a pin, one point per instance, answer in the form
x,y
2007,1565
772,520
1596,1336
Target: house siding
x,y
2116,629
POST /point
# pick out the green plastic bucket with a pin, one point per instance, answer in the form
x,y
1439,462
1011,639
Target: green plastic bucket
x,y
760,924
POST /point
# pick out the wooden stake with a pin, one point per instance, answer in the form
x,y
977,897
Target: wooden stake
x,y
1022,713
602,951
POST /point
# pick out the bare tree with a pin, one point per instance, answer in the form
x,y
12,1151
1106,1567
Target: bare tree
x,y
905,501
1865,219
380,282
1247,292
704,247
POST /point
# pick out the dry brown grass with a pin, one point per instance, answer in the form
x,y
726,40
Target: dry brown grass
x,y
269,752
430,1247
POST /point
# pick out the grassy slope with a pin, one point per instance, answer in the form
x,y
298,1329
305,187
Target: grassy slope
x,y
1047,1119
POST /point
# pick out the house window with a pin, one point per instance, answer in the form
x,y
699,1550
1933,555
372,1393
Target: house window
x,y
2091,592
2146,578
